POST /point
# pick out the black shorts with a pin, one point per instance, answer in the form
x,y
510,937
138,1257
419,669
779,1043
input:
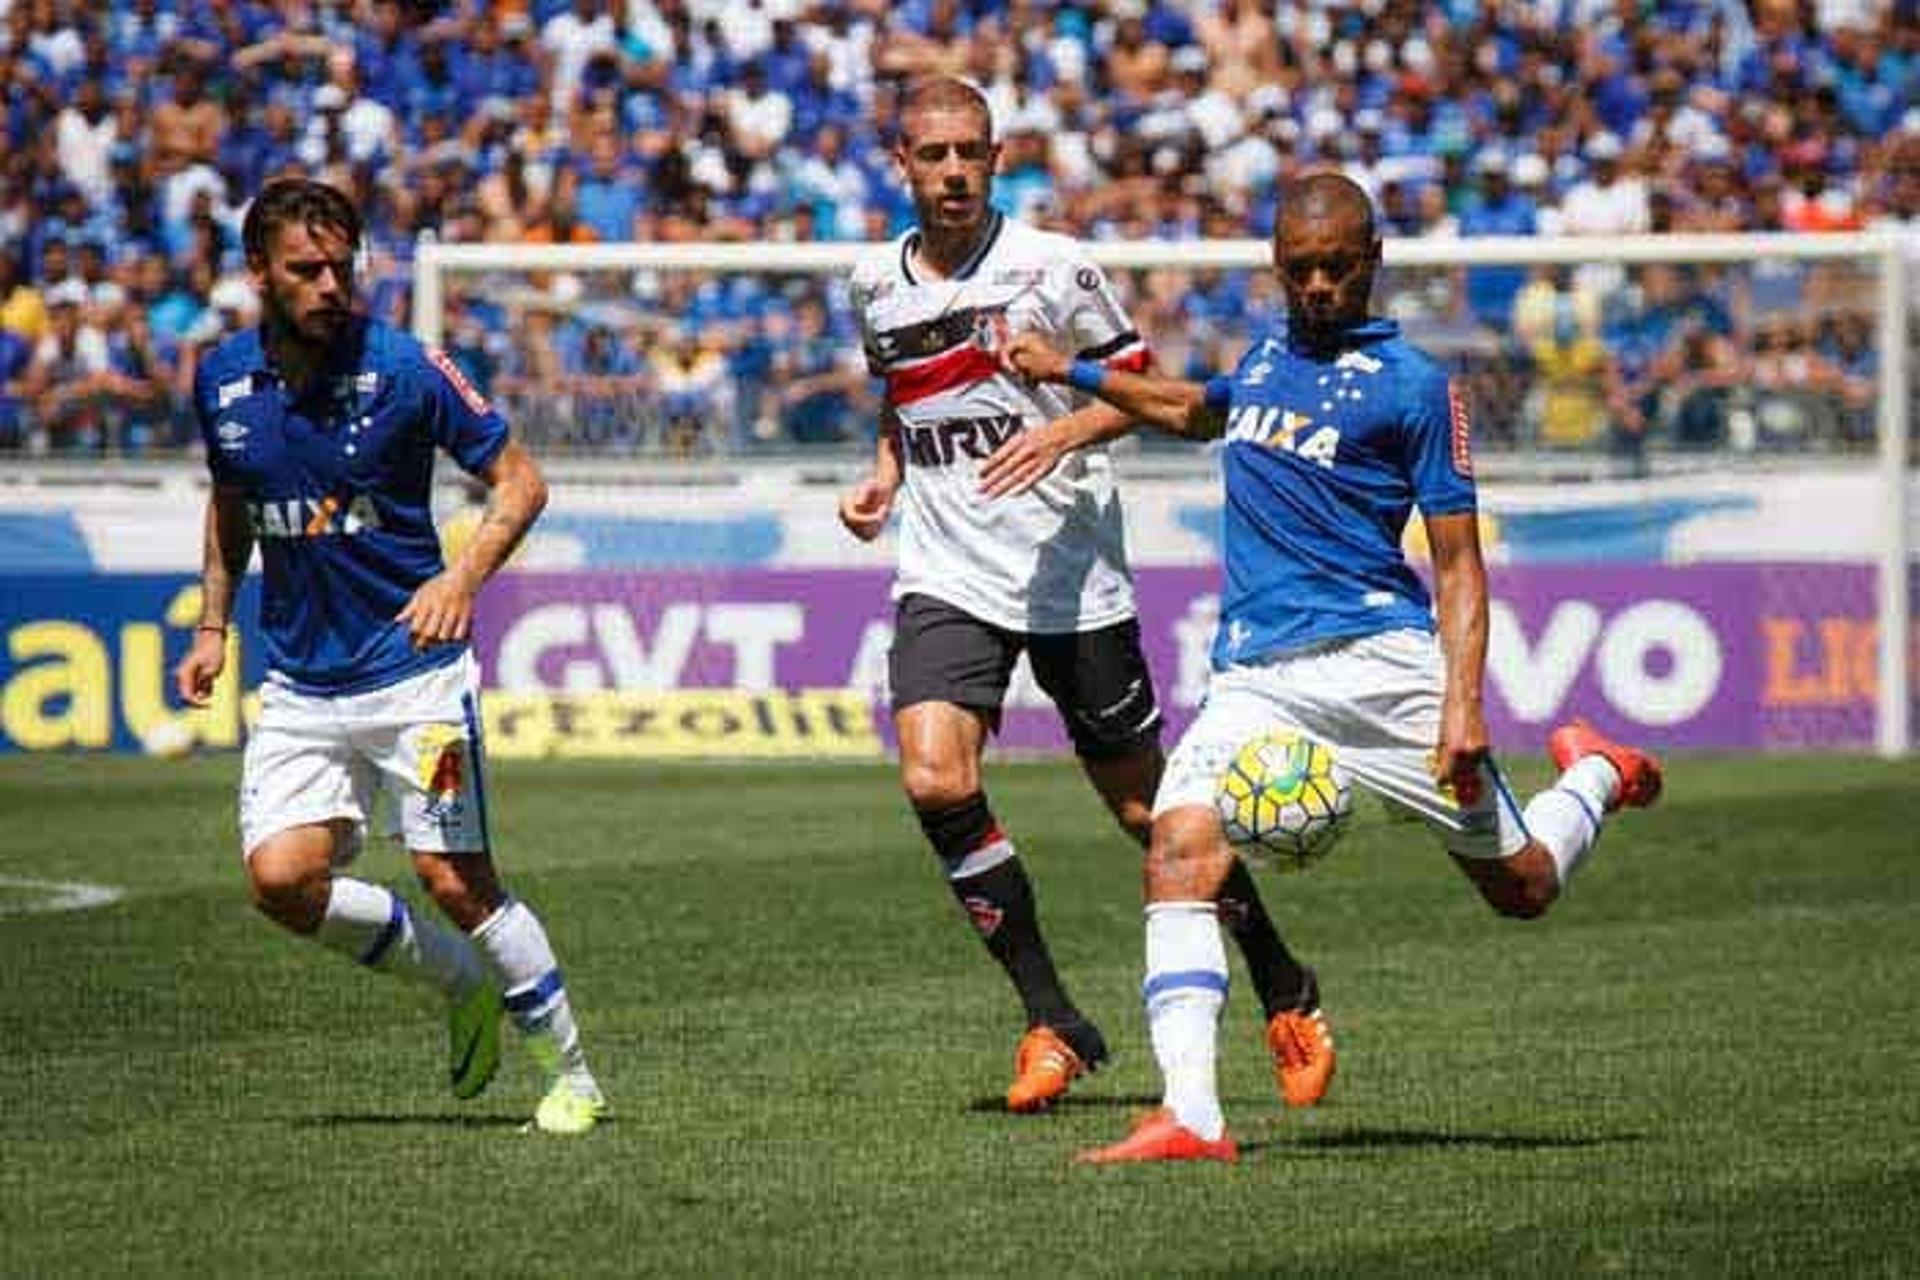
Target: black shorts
x,y
1098,679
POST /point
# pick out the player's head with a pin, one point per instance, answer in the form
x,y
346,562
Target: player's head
x,y
1325,251
301,238
947,151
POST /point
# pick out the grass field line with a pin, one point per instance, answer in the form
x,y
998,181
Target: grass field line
x,y
20,896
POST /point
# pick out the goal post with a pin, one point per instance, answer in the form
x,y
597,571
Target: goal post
x,y
435,264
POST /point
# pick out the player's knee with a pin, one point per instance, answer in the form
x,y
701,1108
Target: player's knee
x,y
1520,896
464,887
289,891
932,787
956,830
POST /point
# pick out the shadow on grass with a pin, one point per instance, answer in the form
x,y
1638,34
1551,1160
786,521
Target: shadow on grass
x,y
1371,1139
997,1105
423,1119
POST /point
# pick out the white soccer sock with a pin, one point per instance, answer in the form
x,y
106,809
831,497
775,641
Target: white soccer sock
x,y
516,947
1566,817
1185,988
377,928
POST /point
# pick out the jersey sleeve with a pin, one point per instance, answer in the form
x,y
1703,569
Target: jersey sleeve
x,y
207,418
458,417
1093,322
1437,439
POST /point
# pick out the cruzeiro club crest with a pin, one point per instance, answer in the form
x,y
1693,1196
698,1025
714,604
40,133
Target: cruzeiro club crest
x,y
440,763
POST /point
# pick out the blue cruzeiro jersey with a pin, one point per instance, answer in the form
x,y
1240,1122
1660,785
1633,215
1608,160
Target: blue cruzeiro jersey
x,y
1327,454
338,490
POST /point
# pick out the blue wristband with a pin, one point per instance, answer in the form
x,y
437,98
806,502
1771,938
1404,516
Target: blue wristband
x,y
1087,375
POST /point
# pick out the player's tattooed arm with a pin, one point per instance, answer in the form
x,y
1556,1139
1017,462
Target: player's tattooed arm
x,y
1460,578
1173,405
227,546
441,611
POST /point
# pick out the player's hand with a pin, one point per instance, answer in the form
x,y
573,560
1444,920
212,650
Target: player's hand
x,y
865,507
1023,460
1030,356
441,612
193,679
1462,749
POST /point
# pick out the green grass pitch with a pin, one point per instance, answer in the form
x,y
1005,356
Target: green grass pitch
x,y
1706,1061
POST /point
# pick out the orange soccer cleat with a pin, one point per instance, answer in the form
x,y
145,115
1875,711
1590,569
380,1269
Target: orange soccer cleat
x,y
1639,772
1301,1043
1044,1066
1161,1137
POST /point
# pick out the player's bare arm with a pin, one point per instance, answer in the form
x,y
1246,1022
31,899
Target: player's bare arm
x,y
1173,405
1025,458
441,611
864,508
228,545
1460,599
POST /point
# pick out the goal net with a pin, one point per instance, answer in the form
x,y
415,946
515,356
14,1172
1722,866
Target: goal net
x,y
1700,431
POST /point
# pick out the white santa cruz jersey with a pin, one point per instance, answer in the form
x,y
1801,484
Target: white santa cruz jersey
x,y
1050,560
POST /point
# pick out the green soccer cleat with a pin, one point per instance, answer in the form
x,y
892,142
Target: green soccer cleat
x,y
473,1040
569,1109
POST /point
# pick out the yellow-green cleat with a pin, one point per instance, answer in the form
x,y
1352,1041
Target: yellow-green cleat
x,y
569,1109
473,1040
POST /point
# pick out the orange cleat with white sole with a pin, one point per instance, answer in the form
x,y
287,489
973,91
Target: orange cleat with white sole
x,y
1639,772
1045,1066
1301,1043
1161,1137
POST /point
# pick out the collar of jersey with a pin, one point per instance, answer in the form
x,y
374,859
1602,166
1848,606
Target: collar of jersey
x,y
908,247
1373,329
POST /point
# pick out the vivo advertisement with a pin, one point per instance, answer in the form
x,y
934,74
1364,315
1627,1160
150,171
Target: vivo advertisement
x,y
792,662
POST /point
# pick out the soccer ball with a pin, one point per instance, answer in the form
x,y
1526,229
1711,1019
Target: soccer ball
x,y
1284,800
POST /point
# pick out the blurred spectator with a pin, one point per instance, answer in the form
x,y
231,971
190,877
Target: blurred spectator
x,y
1500,211
822,381
23,312
141,128
691,374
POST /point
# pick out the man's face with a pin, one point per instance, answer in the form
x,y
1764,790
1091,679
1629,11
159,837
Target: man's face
x,y
306,281
1326,265
948,157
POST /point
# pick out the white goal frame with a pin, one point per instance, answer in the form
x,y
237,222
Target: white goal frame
x,y
1885,251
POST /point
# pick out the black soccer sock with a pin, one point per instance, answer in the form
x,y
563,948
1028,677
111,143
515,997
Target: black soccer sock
x,y
1281,981
999,901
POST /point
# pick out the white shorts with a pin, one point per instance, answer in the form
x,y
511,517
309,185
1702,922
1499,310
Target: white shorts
x,y
1376,701
311,759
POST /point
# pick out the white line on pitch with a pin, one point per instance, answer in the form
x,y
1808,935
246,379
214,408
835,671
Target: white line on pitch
x,y
55,895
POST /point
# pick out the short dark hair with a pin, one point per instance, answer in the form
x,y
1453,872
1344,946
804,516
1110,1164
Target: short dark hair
x,y
944,93
302,200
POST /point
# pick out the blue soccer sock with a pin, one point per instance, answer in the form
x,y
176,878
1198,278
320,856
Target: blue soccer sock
x,y
377,928
1566,817
516,947
1186,988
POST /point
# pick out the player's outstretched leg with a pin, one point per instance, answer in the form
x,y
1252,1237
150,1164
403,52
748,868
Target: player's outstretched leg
x,y
987,879
1597,777
516,947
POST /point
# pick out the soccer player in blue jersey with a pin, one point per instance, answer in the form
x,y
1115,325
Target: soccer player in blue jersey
x,y
1336,428
321,427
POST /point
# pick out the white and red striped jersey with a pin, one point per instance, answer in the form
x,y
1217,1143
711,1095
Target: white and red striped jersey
x,y
1050,560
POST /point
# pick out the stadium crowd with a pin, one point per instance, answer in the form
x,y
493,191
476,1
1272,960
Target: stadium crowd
x,y
136,132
